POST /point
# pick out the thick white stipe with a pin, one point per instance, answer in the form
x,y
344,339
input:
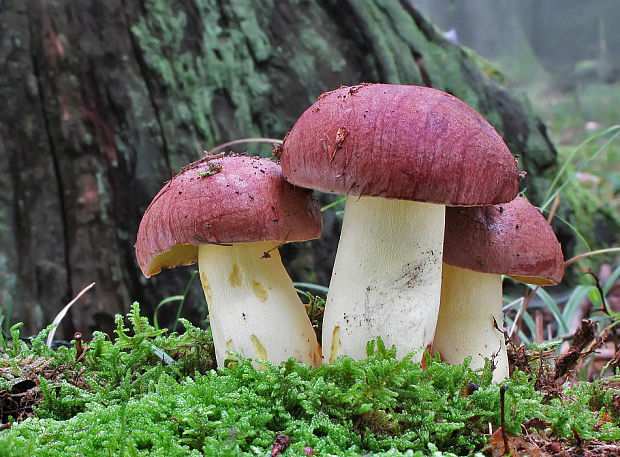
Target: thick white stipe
x,y
386,279
254,309
470,303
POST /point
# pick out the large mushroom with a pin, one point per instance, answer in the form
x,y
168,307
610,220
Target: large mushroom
x,y
230,214
400,153
481,245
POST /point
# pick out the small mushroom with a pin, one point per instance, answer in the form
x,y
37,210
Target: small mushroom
x,y
400,154
230,214
481,245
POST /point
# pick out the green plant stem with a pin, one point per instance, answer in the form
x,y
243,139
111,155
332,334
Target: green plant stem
x,y
588,254
334,203
185,292
167,300
315,288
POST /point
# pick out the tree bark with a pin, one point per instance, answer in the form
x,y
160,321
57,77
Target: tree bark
x,y
103,99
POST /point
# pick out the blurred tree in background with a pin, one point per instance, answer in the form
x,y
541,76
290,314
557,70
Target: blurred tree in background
x,y
534,40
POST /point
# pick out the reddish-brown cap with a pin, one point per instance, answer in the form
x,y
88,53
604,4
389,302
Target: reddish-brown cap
x,y
225,200
513,239
404,142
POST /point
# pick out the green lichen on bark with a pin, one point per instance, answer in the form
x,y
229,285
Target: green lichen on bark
x,y
229,51
198,59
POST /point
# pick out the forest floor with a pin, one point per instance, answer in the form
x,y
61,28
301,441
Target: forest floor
x,y
150,393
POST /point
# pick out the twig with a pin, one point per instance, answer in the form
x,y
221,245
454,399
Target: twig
x,y
554,208
502,401
526,301
597,283
539,326
243,140
604,306
79,348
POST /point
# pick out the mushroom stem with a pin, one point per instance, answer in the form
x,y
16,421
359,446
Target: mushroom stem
x,y
386,279
470,303
254,309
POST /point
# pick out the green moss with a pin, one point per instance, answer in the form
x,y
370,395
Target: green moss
x,y
128,402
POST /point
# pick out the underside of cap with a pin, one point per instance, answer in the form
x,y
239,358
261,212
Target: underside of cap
x,y
232,199
404,142
512,239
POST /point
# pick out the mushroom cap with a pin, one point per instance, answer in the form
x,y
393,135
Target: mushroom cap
x,y
223,200
403,142
513,239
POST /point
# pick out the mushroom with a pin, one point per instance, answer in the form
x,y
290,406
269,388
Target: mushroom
x,y
399,153
481,244
230,214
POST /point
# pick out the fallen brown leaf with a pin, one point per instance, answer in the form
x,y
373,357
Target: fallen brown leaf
x,y
518,446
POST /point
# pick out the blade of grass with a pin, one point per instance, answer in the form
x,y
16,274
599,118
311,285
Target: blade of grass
x,y
6,314
334,203
574,301
551,305
518,302
611,280
219,147
185,292
180,298
595,298
163,302
316,288
572,228
59,317
517,319
522,336
550,195
162,355
529,322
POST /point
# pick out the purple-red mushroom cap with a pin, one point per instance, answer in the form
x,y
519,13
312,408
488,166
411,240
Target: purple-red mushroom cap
x,y
400,142
231,199
511,239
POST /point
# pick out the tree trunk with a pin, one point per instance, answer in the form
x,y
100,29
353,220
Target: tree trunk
x,y
103,99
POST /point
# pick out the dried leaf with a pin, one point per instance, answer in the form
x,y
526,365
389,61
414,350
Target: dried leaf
x,y
518,446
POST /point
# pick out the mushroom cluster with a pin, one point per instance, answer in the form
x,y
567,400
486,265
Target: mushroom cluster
x,y
401,155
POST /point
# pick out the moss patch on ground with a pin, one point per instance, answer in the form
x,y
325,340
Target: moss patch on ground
x,y
153,394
